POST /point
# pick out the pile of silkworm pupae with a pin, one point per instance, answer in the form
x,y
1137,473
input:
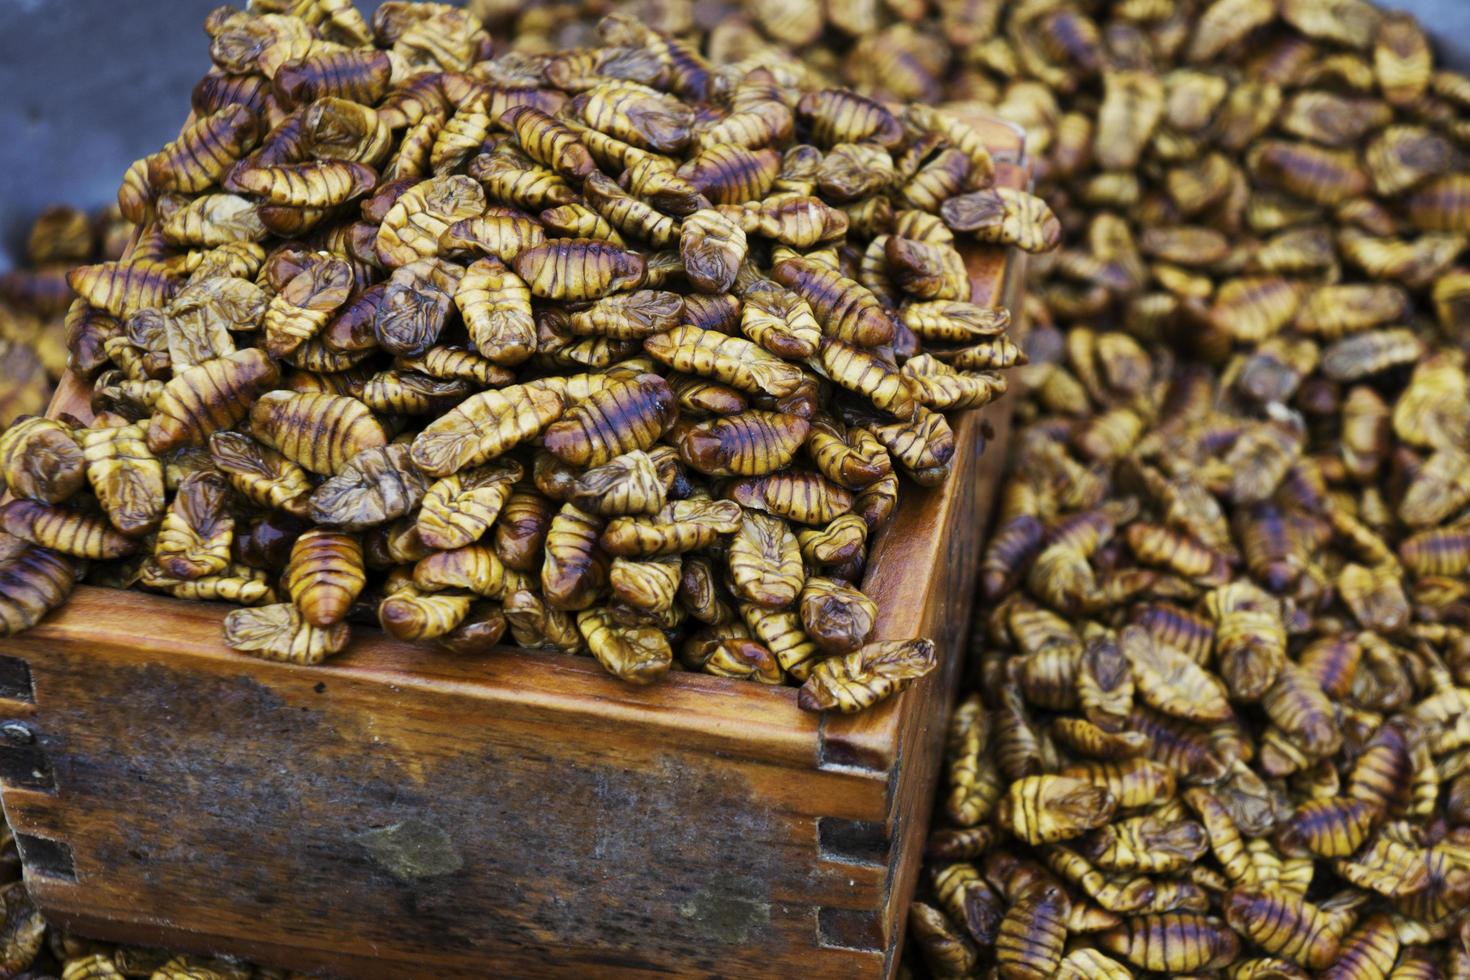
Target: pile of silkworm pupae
x,y
1221,713
610,352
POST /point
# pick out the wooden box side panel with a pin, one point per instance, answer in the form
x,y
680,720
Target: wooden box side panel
x,y
335,814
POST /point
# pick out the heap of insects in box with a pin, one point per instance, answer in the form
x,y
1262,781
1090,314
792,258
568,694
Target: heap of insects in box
x,y
610,351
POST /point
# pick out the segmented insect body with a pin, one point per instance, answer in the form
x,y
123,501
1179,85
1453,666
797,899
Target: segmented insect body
x,y
1401,60
1104,683
496,306
927,267
624,416
1170,682
712,246
1001,352
479,632
751,443
629,316
1366,354
647,587
1315,173
779,320
377,485
947,951
846,310
1173,942
837,116
458,509
197,531
865,676
730,360
356,75
729,174
638,655
578,269
924,445
838,544
303,307
1132,782
501,232
1146,843
1297,704
1284,924
800,221
975,784
1436,489
549,142
639,115
414,306
1371,949
765,561
278,632
325,575
122,288
413,226
259,473
537,626
409,613
837,617
571,221
317,431
127,478
379,260
208,397
473,568
682,525
52,529
1328,827
1032,935
215,219
855,171
575,568
1250,639
484,426
938,386
204,151
850,457
314,184
860,371
33,581
40,459
1044,809
627,484
802,497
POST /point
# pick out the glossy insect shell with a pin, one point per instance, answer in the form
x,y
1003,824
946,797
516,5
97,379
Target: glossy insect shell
x,y
625,416
324,576
208,397
319,432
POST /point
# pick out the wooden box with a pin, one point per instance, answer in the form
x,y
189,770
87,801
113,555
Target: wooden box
x,y
404,812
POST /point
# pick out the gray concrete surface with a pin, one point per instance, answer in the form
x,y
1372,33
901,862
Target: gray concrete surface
x,y
91,85
1448,20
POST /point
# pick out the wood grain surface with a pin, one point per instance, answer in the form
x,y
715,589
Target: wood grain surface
x,y
404,812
